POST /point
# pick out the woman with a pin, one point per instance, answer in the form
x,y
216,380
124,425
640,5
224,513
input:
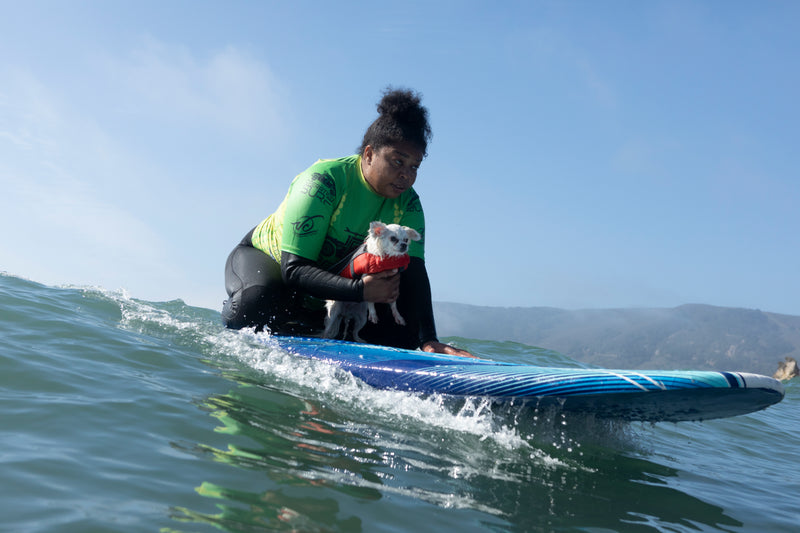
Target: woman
x,y
284,268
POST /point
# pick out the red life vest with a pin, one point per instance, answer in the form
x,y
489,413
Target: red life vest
x,y
363,262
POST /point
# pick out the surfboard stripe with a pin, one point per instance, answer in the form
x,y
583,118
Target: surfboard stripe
x,y
629,394
732,379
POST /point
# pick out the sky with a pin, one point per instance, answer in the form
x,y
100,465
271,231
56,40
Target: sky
x,y
585,154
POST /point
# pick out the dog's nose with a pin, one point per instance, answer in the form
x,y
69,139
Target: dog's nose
x,y
403,246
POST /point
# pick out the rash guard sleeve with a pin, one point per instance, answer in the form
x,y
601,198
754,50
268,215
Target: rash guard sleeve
x,y
417,283
304,274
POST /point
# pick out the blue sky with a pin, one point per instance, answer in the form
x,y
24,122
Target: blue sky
x,y
585,154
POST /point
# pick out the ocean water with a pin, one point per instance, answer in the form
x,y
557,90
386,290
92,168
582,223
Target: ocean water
x,y
118,414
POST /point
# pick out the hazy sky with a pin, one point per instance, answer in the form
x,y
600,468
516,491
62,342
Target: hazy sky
x,y
585,154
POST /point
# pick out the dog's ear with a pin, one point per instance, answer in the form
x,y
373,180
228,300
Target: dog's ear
x,y
412,234
376,227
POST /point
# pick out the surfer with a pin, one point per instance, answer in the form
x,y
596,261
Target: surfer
x,y
281,272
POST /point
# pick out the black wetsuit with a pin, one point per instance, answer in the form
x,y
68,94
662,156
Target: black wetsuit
x,y
287,298
280,274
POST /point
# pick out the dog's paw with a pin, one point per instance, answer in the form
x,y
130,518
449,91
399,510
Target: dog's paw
x,y
371,313
398,318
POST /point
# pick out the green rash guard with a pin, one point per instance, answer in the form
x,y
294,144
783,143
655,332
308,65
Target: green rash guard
x,y
327,211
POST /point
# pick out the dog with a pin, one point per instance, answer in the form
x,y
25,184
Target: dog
x,y
385,248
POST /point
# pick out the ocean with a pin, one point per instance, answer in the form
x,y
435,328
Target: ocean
x,y
123,415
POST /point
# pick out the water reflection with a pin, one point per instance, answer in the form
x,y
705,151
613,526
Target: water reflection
x,y
273,510
607,490
291,441
328,468
292,438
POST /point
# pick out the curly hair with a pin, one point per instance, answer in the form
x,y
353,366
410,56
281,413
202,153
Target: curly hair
x,y
401,117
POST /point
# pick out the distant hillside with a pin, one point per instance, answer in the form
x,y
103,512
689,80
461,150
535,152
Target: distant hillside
x,y
689,336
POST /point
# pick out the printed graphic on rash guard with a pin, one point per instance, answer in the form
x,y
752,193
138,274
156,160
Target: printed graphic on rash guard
x,y
414,206
321,187
333,250
327,212
306,226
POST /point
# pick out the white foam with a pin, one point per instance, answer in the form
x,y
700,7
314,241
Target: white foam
x,y
329,384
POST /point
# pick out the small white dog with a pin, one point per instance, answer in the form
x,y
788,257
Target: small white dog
x,y
385,248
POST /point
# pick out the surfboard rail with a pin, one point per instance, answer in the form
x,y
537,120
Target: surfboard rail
x,y
651,395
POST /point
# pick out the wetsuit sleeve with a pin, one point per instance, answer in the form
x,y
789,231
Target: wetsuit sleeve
x,y
303,274
417,282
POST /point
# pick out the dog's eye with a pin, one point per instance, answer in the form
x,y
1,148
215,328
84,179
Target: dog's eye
x,y
393,239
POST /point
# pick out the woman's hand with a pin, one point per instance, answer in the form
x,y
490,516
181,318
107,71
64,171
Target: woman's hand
x,y
382,287
440,347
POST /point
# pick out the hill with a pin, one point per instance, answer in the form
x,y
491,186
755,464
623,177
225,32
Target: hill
x,y
689,336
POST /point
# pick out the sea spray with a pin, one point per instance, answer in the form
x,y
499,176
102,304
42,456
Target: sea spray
x,y
473,436
523,428
126,415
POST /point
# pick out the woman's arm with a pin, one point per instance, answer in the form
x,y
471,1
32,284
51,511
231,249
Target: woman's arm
x,y
418,286
417,281
303,274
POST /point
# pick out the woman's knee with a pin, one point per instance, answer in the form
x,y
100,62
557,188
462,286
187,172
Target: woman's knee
x,y
254,286
247,267
252,306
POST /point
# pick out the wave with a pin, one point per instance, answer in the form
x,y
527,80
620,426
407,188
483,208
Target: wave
x,y
133,415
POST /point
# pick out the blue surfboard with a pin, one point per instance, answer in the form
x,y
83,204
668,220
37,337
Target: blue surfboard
x,y
634,395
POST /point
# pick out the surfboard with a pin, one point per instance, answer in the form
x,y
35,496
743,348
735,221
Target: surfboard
x,y
633,395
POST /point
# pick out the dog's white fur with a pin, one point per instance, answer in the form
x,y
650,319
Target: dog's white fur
x,y
383,240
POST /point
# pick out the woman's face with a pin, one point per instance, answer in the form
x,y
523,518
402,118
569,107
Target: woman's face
x,y
391,170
